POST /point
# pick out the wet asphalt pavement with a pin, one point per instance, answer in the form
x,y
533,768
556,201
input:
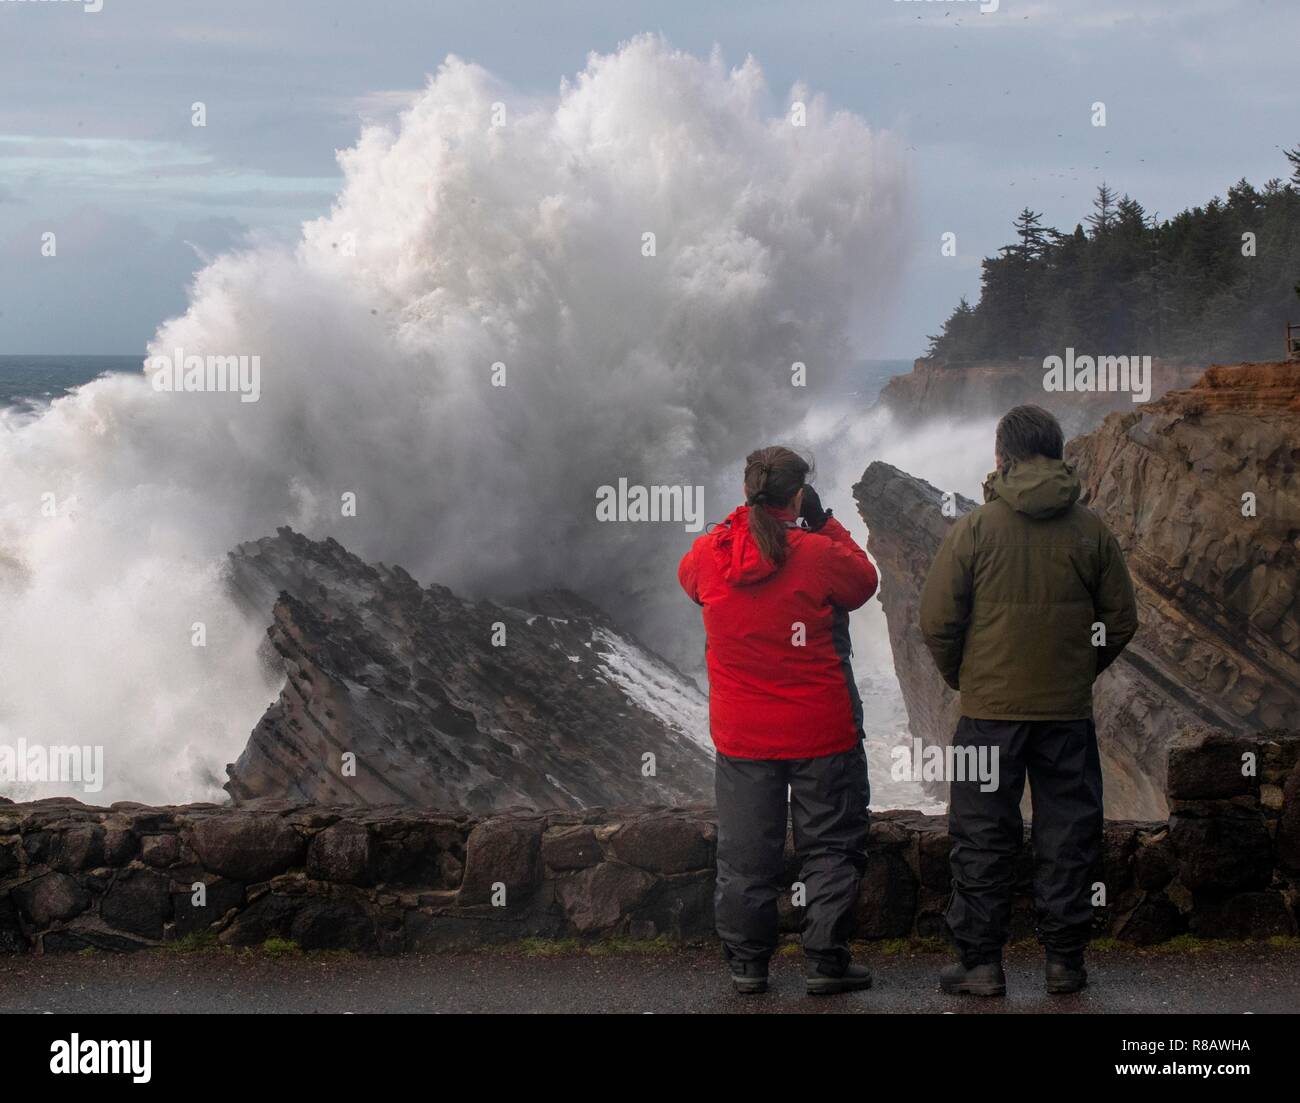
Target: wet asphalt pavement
x,y
1233,979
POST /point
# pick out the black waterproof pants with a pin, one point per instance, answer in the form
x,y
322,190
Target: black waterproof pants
x,y
1061,759
827,801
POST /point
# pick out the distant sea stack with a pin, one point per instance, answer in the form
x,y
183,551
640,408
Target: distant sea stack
x,y
937,389
1175,480
449,703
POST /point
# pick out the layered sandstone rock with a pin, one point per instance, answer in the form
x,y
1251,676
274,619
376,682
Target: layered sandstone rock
x,y
1219,642
400,693
1202,489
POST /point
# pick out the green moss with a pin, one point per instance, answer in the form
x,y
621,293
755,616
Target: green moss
x,y
637,946
194,942
602,947
899,947
1182,944
544,947
281,947
1192,944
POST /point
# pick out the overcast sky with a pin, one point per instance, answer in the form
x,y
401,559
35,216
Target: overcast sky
x,y
994,109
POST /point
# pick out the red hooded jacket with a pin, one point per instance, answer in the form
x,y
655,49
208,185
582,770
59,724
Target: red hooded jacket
x,y
776,691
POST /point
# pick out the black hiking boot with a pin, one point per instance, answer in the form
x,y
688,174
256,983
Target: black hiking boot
x,y
825,979
749,978
984,979
1066,975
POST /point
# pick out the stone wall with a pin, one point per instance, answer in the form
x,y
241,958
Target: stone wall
x,y
1227,864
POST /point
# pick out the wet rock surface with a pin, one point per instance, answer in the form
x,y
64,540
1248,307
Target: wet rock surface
x,y
397,693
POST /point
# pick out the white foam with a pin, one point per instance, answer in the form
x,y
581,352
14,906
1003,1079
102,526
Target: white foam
x,y
453,245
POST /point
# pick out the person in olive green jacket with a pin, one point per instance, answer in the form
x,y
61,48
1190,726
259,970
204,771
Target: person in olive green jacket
x,y
1027,601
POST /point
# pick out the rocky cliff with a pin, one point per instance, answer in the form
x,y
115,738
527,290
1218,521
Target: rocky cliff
x,y
989,388
1202,489
400,693
1219,642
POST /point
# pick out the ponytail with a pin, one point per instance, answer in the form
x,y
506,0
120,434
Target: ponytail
x,y
773,476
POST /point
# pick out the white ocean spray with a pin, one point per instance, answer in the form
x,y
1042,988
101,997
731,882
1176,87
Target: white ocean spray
x,y
456,244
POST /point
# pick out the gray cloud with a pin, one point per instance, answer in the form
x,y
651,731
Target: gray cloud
x,y
995,107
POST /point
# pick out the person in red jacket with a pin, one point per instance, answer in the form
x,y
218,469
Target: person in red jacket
x,y
777,580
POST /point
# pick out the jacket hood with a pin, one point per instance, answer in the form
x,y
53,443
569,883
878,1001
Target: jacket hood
x,y
1038,488
735,551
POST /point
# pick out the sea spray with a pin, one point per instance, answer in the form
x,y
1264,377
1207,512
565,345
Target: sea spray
x,y
463,238
952,455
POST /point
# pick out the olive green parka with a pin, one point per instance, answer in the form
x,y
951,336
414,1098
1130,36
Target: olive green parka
x,y
1028,598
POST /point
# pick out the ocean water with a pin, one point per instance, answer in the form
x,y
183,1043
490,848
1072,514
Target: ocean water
x,y
34,380
27,380
874,374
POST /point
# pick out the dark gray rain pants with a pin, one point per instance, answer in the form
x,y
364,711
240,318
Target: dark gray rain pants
x,y
827,802
1064,769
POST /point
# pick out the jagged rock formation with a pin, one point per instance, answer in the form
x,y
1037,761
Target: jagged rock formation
x,y
1135,717
906,525
1219,641
392,879
409,681
1202,489
989,388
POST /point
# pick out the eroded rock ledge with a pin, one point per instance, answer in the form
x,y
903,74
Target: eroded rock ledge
x,y
448,703
391,879
1202,490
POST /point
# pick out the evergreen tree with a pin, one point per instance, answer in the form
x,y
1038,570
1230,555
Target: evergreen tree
x,y
1293,155
1102,210
1133,283
1033,238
